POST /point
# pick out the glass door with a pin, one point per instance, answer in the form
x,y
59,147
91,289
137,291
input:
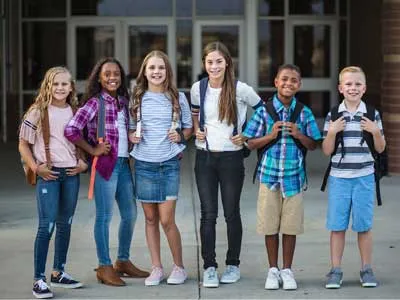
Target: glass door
x,y
146,35
312,45
88,42
228,32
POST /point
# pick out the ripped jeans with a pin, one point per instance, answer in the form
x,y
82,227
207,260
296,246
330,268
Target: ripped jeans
x,y
56,203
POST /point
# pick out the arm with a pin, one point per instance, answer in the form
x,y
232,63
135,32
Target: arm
x,y
26,154
334,127
373,128
257,143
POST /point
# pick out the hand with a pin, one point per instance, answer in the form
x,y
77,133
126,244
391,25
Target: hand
x,y
238,139
368,125
102,149
47,174
79,168
201,135
134,139
278,126
292,129
337,126
174,136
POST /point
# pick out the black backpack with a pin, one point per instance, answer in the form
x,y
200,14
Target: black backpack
x,y
203,89
380,159
269,106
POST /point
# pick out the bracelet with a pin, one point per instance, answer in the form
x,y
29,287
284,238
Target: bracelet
x,y
182,141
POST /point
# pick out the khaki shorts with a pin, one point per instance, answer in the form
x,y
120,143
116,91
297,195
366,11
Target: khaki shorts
x,y
275,214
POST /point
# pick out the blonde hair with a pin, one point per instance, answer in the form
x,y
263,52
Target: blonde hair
x,y
44,95
142,84
351,69
227,103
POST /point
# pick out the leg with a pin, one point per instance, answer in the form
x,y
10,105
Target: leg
x,y
231,176
127,209
68,200
337,242
153,232
288,247
272,246
47,196
104,191
365,247
207,185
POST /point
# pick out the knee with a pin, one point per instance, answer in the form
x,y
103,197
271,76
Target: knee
x,y
152,220
167,224
209,216
46,229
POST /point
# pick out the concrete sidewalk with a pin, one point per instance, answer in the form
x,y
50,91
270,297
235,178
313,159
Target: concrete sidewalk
x,y
18,224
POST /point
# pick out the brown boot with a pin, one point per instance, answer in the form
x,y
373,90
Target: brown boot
x,y
128,269
107,275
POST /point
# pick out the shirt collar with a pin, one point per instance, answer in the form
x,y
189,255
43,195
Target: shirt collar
x,y
362,108
279,105
107,97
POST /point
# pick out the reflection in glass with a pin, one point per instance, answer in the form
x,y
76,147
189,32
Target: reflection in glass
x,y
122,7
270,50
319,102
184,53
343,8
228,35
142,40
312,50
312,7
183,8
342,44
43,46
219,8
43,8
92,43
271,7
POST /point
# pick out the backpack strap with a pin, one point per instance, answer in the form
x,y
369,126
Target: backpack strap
x,y
101,119
338,141
46,136
203,89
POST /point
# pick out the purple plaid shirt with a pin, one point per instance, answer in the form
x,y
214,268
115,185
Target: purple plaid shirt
x,y
87,116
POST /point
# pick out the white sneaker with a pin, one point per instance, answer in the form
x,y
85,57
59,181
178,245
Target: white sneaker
x,y
289,283
156,276
273,279
178,275
231,274
210,277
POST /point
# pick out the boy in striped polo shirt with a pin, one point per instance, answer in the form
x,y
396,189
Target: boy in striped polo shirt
x,y
351,184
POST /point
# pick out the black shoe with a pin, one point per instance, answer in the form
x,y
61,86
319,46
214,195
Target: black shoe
x,y
41,290
64,280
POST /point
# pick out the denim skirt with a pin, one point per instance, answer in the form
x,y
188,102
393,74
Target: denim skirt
x,y
157,182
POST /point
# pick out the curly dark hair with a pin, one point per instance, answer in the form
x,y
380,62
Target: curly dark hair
x,y
93,86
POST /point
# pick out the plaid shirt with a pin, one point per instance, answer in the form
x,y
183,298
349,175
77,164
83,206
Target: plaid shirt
x,y
281,166
87,116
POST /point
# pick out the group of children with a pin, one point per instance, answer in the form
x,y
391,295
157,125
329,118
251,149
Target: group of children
x,y
152,125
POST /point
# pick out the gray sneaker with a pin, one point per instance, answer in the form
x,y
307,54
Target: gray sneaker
x,y
210,278
334,279
367,277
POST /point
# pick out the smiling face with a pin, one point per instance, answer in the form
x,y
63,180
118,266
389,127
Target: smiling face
x,y
287,83
61,88
110,78
215,65
352,86
155,73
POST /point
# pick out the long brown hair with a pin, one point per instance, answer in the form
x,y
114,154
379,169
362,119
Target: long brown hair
x,y
227,103
44,95
142,84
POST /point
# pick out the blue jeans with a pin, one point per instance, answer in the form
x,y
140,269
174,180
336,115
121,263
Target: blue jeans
x,y
224,170
119,187
56,203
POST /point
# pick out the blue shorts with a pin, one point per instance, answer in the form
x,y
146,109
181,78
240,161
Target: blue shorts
x,y
355,195
157,182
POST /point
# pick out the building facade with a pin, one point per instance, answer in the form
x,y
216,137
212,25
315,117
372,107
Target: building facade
x,y
320,36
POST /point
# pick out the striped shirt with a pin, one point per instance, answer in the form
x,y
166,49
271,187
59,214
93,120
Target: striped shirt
x,y
357,160
156,113
87,116
282,166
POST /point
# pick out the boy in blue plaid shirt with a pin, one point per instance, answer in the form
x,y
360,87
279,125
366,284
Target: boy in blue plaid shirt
x,y
281,173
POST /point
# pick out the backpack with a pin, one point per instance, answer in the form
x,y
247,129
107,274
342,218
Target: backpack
x,y
380,159
269,106
203,89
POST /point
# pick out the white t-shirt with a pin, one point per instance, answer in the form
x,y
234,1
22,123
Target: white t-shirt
x,y
122,135
219,133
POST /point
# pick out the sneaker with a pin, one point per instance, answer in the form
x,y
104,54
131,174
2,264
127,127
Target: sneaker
x,y
231,274
177,276
273,279
64,280
210,277
156,276
41,290
334,279
367,277
288,280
